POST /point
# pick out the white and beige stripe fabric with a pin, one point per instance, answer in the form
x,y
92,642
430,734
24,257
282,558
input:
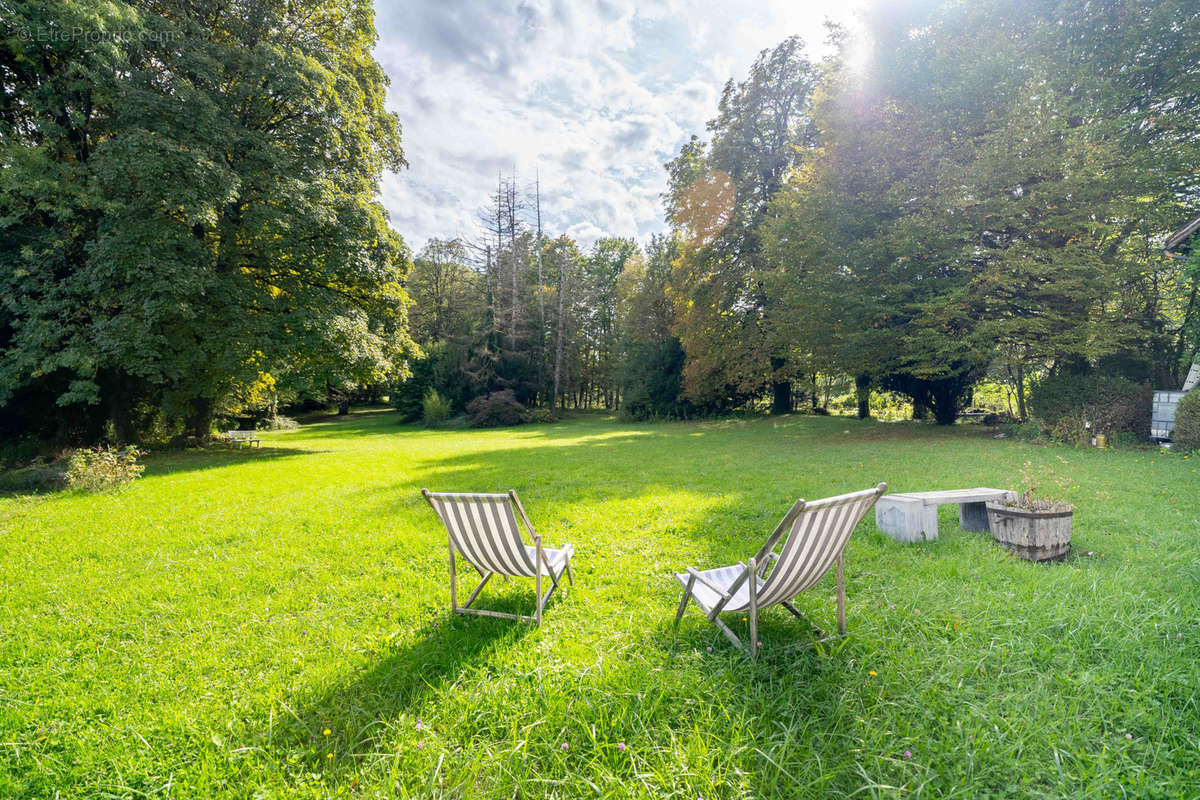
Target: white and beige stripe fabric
x,y
484,529
817,537
817,533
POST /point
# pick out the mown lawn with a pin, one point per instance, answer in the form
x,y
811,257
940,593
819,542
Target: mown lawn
x,y
275,624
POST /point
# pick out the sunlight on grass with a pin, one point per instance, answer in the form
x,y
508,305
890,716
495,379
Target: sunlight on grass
x,y
275,623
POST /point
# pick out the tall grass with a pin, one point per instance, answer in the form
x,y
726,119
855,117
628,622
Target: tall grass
x,y
274,624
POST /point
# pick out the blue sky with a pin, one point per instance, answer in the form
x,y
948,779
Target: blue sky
x,y
594,96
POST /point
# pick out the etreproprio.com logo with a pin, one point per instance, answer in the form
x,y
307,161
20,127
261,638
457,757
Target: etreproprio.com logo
x,y
95,35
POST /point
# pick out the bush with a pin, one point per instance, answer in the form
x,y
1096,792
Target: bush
x,y
102,468
435,409
542,415
278,423
1187,422
494,410
1066,403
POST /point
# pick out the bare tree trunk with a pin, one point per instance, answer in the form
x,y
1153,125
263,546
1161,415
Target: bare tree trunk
x,y
558,345
512,243
541,373
1021,391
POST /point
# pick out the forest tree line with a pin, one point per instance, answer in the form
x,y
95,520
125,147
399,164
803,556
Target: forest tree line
x,y
985,195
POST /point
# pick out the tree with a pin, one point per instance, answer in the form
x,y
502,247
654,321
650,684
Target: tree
x,y
717,198
189,205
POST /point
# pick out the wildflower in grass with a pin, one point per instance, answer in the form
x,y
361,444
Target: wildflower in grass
x,y
418,725
329,755
891,605
710,648
1179,636
420,745
872,673
621,746
326,732
760,644
1129,736
908,753
566,746
917,611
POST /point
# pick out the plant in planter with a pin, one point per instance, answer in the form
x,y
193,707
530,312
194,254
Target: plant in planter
x,y
1033,525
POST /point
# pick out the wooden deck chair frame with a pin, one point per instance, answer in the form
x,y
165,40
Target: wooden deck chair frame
x,y
763,560
541,559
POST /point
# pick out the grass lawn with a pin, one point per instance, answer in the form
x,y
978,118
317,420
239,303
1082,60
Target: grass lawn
x,y
275,624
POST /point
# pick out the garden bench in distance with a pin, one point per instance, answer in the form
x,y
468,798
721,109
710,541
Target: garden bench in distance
x,y
912,516
242,438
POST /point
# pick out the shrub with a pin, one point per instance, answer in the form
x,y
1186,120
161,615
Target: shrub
x,y
494,410
1065,404
1187,422
102,468
542,415
435,409
278,423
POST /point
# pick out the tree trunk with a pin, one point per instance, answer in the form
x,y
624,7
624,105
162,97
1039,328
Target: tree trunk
x,y
558,345
862,387
1021,413
944,403
920,410
815,391
781,391
200,417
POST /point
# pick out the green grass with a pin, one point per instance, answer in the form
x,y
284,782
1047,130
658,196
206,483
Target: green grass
x,y
196,634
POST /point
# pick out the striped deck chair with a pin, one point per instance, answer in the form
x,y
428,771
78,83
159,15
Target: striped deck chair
x,y
483,529
818,534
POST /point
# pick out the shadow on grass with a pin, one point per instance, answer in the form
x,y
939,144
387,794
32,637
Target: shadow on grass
x,y
177,461
377,698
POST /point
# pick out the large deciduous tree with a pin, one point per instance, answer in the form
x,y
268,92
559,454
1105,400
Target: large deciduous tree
x,y
188,202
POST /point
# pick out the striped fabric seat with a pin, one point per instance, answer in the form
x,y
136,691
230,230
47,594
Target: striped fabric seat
x,y
816,532
483,530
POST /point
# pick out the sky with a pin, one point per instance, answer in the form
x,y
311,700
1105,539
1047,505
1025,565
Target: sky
x,y
591,97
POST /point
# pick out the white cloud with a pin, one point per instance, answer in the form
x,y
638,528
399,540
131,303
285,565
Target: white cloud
x,y
594,96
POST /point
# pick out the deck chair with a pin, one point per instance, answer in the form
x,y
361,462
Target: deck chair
x,y
818,534
483,529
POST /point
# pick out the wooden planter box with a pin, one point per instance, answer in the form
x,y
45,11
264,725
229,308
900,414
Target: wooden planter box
x,y
1031,535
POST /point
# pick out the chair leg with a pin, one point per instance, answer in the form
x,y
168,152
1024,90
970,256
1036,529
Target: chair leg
x,y
453,582
478,589
841,594
538,583
730,635
687,595
753,583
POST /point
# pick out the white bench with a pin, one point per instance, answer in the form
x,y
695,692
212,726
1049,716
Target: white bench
x,y
242,438
912,516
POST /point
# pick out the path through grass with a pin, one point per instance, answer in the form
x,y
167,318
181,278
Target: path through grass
x,y
274,624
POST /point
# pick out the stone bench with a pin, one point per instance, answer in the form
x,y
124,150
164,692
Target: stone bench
x,y
912,516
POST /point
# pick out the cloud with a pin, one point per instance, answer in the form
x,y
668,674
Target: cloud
x,y
593,97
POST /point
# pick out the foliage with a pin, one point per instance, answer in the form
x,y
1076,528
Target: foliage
x,y
1042,488
1068,404
495,410
307,591
94,469
277,423
1187,422
955,211
188,201
435,409
717,199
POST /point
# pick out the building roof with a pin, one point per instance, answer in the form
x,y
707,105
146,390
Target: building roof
x,y
1183,234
